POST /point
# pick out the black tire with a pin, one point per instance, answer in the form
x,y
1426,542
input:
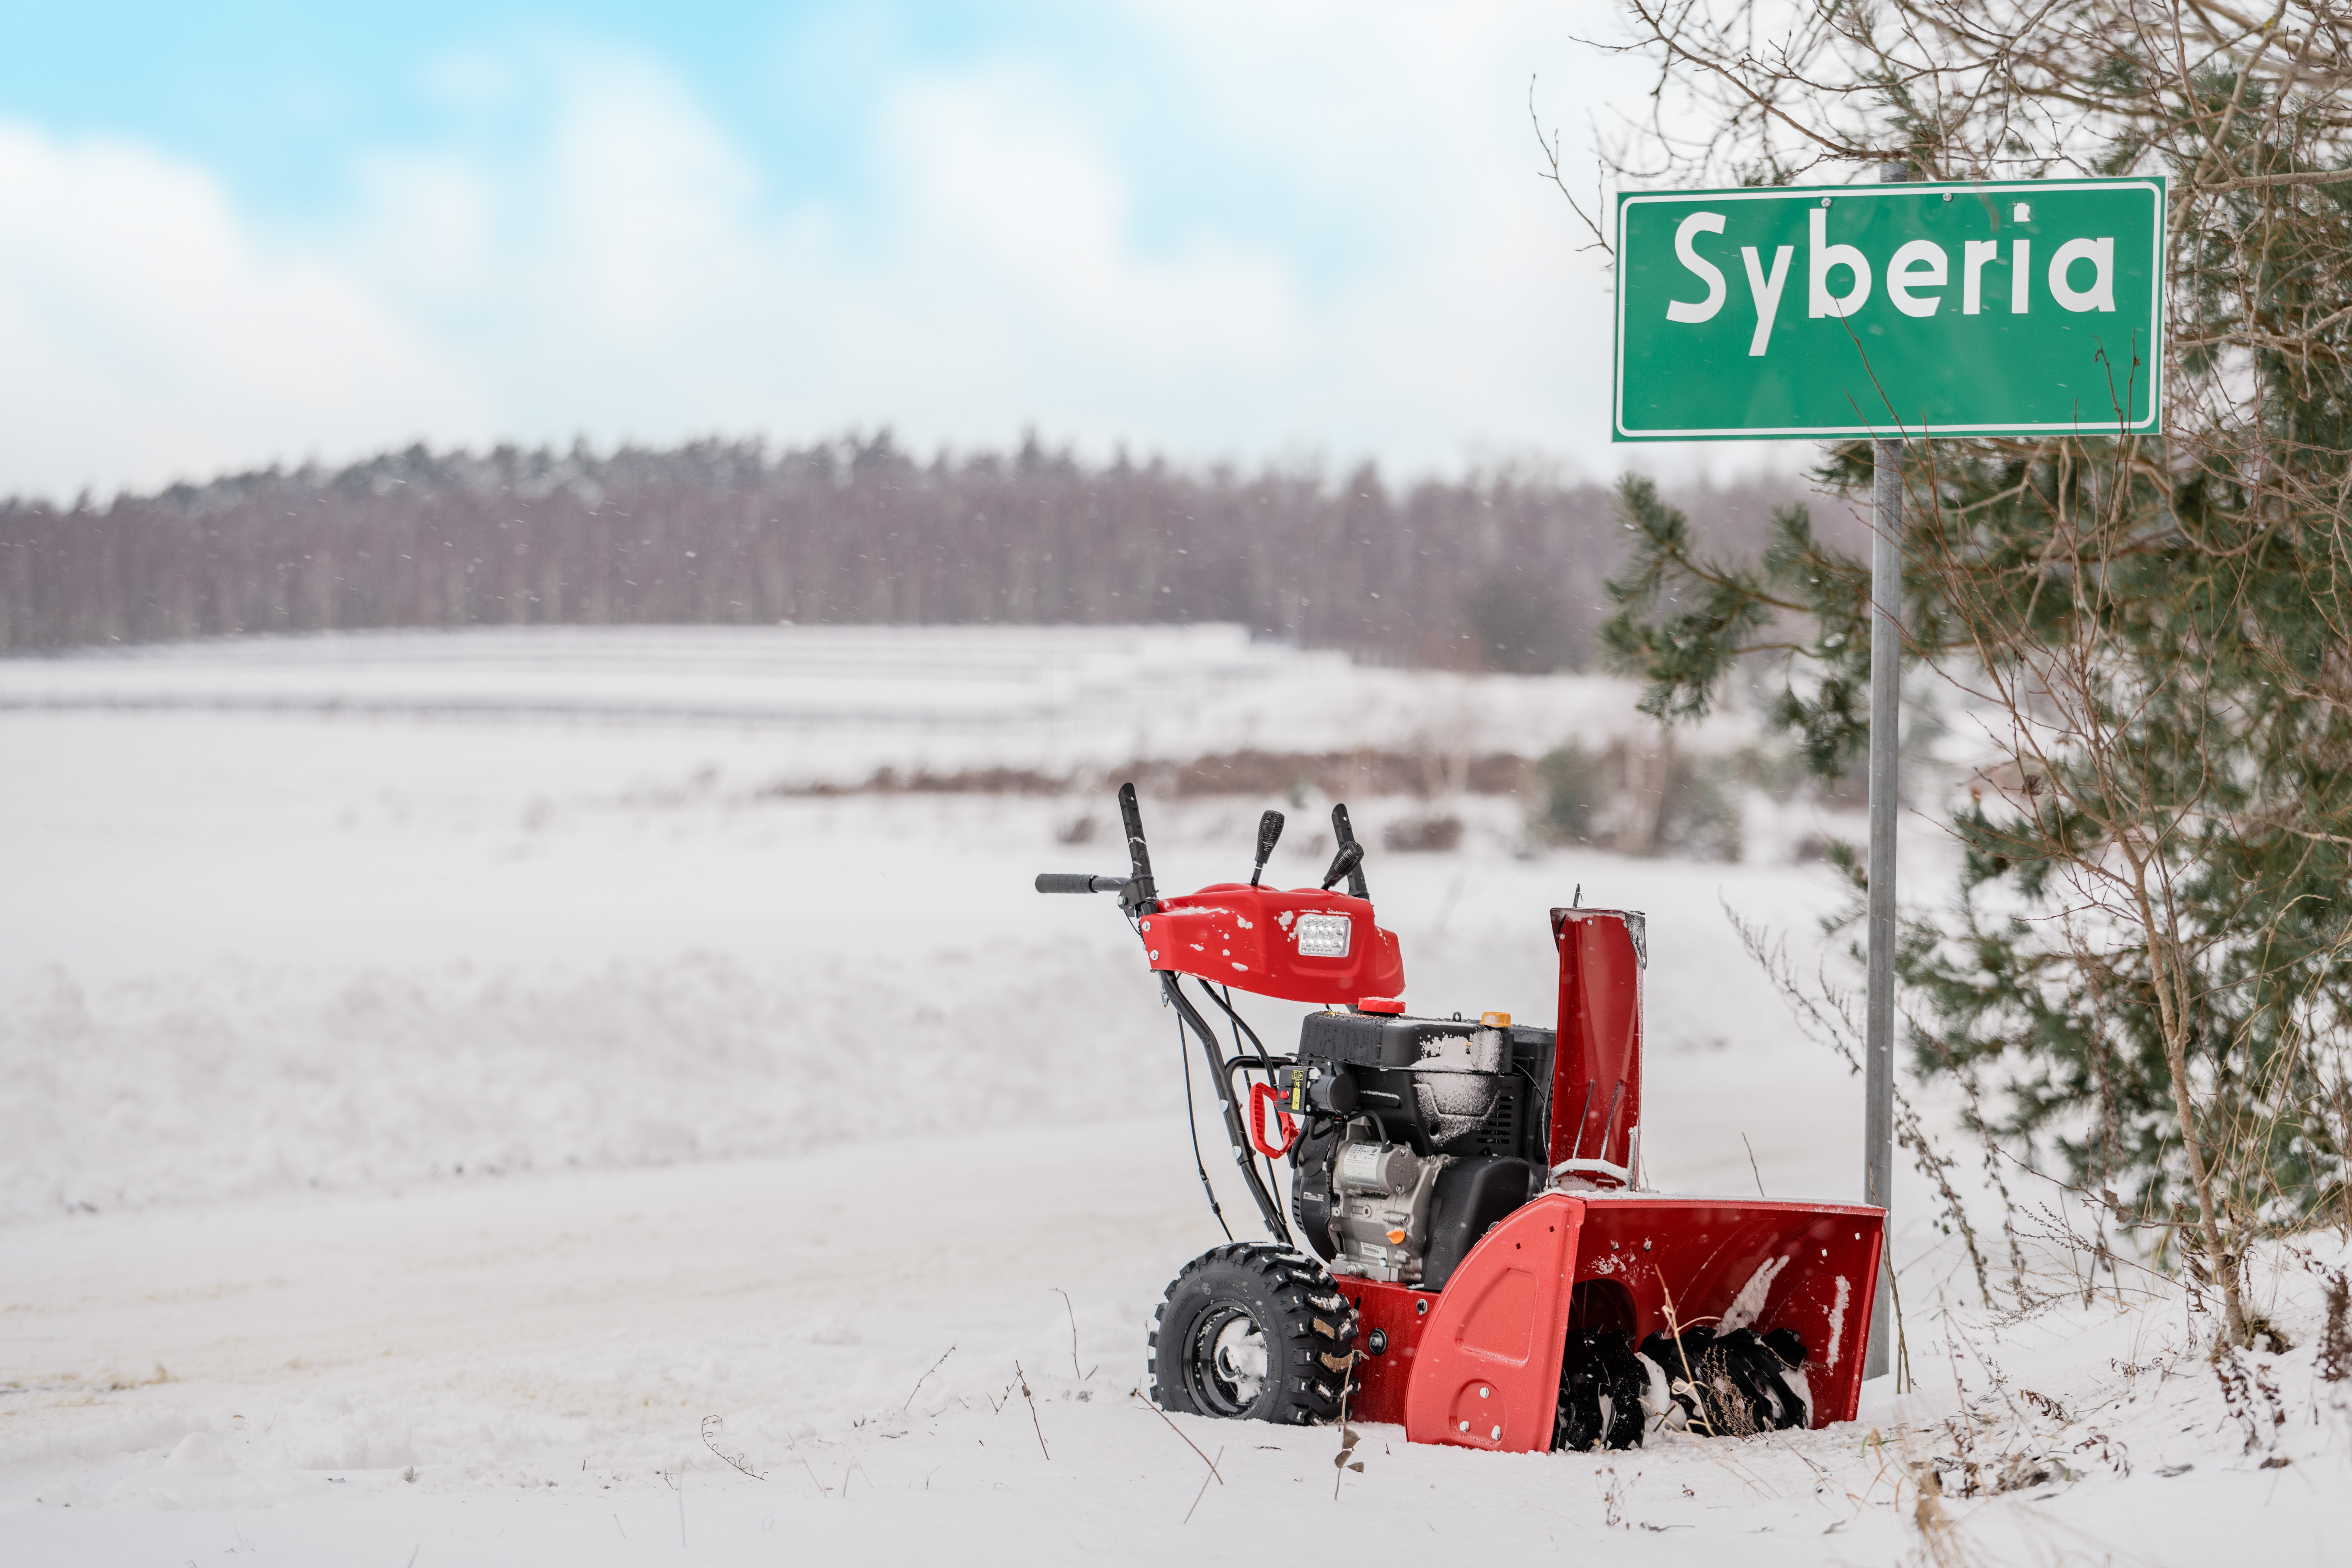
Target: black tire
x,y
1230,1304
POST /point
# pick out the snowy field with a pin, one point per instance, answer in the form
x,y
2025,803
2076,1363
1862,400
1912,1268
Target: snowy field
x,y
438,1072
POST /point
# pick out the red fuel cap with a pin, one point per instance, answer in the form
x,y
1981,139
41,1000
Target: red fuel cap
x,y
1381,1005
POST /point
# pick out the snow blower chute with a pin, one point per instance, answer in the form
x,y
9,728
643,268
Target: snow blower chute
x,y
1485,1265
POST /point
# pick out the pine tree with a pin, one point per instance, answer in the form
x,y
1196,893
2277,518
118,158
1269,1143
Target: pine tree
x,y
2149,937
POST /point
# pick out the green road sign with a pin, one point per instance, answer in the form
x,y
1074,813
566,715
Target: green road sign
x,y
2007,308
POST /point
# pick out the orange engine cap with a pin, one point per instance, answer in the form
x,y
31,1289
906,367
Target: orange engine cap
x,y
1494,1020
1381,1005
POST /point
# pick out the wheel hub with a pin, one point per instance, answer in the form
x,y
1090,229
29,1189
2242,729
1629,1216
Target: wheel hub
x,y
1231,1349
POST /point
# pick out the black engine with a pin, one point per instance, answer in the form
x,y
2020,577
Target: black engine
x,y
1421,1135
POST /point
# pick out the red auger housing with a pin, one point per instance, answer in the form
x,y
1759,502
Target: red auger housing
x,y
1489,1267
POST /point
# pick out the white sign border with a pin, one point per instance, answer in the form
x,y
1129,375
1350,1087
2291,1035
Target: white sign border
x,y
2152,183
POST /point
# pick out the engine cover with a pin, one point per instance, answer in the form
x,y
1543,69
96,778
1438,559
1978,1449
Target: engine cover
x,y
1418,1137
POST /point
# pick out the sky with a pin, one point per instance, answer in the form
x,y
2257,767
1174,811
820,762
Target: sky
x,y
245,234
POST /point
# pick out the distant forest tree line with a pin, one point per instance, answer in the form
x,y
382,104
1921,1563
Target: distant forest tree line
x,y
1501,569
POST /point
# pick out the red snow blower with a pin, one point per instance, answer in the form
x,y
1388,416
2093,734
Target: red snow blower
x,y
1489,1268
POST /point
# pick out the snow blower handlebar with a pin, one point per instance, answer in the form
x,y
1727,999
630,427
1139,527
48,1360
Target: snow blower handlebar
x,y
1077,882
1229,1102
1139,897
1137,892
1144,893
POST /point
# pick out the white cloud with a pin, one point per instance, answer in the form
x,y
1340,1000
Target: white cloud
x,y
1001,188
628,272
147,335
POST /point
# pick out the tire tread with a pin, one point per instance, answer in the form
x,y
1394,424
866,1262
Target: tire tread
x,y
1315,1335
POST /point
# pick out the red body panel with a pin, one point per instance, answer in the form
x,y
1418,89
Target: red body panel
x,y
1488,1373
1597,1065
1694,1255
1401,1312
1246,938
1637,1261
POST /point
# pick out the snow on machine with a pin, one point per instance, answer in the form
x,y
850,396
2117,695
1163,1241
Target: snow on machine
x,y
1483,1262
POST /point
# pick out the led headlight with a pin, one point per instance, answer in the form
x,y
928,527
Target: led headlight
x,y
1323,936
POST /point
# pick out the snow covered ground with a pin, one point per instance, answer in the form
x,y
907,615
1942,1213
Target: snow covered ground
x,y
437,1074
832,704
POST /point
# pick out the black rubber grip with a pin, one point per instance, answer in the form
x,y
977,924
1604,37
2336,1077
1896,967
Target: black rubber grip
x,y
1077,882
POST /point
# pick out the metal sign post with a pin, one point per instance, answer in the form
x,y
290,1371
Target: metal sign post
x,y
1878,1005
2011,308
1885,742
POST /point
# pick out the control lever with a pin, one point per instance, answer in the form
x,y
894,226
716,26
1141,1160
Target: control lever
x,y
1141,895
1344,864
1345,834
1269,829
